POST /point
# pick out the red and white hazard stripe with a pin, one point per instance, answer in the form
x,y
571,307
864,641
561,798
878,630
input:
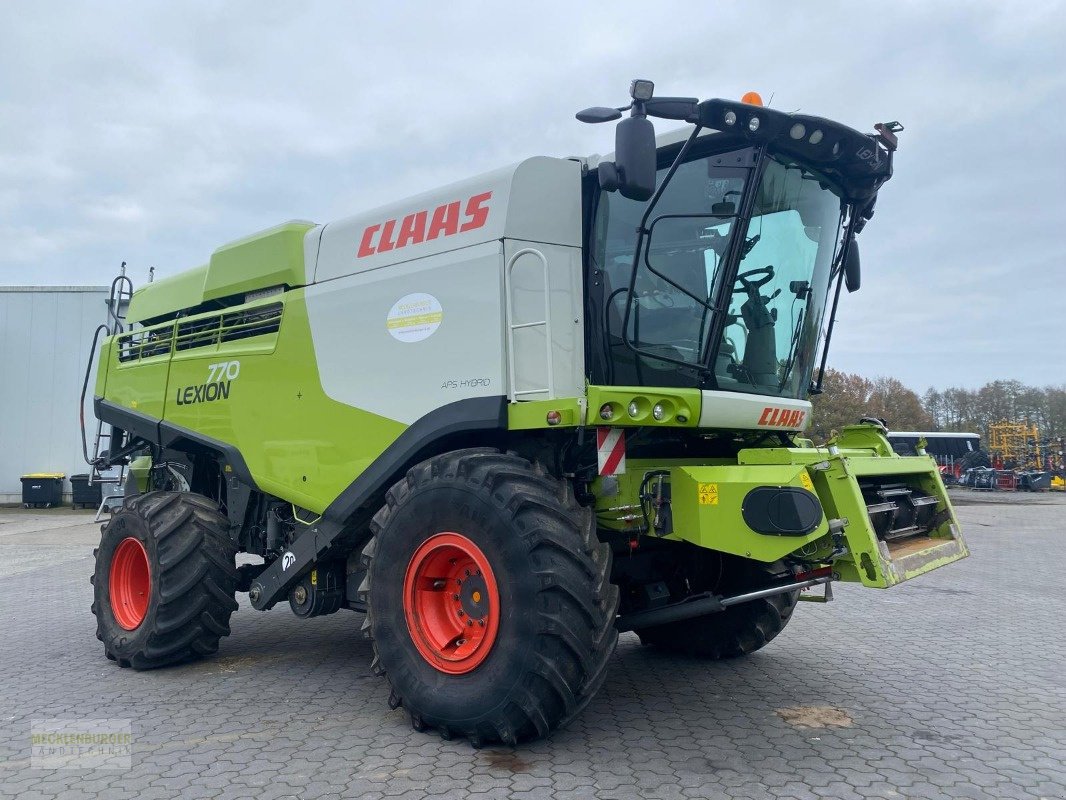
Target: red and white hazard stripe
x,y
611,450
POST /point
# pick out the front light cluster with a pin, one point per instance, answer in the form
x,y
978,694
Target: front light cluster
x,y
799,130
641,409
730,119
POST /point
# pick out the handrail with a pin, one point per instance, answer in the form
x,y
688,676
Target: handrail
x,y
513,391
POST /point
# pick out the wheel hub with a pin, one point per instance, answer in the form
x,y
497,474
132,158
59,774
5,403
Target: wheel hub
x,y
451,603
130,584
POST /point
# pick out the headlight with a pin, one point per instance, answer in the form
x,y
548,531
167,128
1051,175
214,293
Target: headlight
x,y
606,412
658,412
798,131
815,137
641,89
753,124
634,409
730,118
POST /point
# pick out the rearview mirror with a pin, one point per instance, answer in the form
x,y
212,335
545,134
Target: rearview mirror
x,y
633,170
852,273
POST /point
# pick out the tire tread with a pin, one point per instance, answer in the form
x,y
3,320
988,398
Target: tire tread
x,y
195,585
576,605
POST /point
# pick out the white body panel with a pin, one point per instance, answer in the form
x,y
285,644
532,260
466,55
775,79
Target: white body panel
x,y
460,314
403,341
544,285
362,364
749,411
537,200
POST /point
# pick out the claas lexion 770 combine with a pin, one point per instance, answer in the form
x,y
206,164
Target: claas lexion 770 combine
x,y
513,416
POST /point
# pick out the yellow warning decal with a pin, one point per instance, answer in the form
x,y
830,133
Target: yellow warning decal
x,y
314,577
805,479
707,494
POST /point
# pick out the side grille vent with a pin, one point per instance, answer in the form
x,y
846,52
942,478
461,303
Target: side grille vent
x,y
192,334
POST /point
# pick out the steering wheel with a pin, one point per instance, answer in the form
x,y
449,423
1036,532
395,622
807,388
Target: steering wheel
x,y
751,286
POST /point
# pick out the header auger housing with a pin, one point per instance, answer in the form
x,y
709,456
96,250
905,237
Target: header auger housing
x,y
452,412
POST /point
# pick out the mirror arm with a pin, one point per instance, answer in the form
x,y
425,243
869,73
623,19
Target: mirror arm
x,y
849,235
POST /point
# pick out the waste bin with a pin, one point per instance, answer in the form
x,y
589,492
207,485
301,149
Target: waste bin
x,y
1034,481
83,493
42,489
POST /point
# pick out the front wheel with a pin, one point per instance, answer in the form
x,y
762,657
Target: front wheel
x,y
489,600
165,580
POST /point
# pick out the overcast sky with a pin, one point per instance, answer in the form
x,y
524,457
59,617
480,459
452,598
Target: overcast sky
x,y
153,133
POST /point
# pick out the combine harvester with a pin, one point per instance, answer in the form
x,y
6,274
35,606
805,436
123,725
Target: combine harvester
x,y
513,416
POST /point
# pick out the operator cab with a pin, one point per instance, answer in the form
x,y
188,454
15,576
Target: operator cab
x,y
716,273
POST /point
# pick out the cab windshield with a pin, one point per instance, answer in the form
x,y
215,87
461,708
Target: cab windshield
x,y
718,301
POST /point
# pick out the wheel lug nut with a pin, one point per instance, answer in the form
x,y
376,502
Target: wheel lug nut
x,y
460,612
467,573
455,597
481,622
470,622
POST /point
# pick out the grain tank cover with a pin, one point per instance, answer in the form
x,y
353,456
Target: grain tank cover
x,y
154,302
273,257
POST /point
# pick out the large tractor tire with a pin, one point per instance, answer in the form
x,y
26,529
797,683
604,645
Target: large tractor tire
x,y
734,632
489,598
165,580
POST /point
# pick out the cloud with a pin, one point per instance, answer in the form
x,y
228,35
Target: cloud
x,y
153,134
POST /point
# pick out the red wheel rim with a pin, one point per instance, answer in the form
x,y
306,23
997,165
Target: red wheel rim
x,y
130,584
451,603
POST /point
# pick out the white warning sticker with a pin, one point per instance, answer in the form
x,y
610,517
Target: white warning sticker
x,y
611,451
414,317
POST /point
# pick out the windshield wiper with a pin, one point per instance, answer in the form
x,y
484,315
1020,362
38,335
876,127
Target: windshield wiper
x,y
790,362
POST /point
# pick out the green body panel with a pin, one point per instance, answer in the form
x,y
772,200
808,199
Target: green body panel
x,y
273,257
706,501
140,384
141,470
165,296
102,363
712,517
298,443
533,414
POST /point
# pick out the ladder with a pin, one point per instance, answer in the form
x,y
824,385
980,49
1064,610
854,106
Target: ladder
x,y
100,470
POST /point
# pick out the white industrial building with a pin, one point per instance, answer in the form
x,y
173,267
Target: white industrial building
x,y
45,335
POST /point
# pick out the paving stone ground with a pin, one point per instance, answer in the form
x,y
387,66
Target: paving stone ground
x,y
949,686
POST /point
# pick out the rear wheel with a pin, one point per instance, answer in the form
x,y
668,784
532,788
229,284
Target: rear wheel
x,y
165,580
488,596
736,631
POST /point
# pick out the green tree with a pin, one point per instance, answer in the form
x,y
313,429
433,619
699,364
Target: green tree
x,y
846,398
